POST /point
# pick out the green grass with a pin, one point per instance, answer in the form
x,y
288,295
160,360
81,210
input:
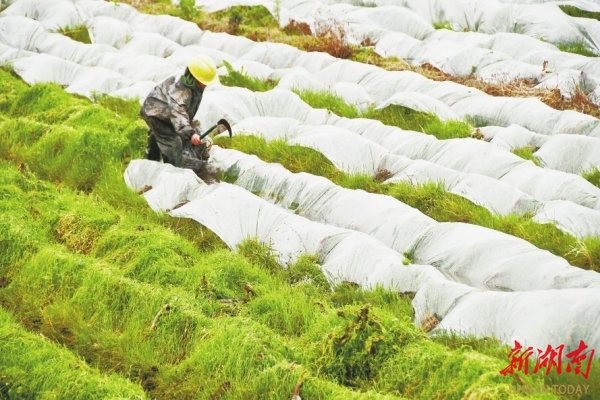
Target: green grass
x,y
244,18
576,12
64,140
188,10
392,115
79,33
442,25
329,101
86,263
526,153
412,120
361,3
577,47
31,365
240,79
431,199
592,176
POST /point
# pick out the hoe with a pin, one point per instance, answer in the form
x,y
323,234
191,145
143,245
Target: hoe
x,y
221,122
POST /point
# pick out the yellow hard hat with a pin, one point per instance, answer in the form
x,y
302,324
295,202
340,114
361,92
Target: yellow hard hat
x,y
203,68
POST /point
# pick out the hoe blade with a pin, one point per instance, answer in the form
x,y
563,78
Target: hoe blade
x,y
226,125
220,122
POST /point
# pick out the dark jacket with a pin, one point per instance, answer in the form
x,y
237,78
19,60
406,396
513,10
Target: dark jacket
x,y
172,101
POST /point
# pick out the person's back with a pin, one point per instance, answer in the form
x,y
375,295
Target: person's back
x,y
172,100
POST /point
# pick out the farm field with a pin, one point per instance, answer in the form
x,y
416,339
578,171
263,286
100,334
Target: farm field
x,y
399,203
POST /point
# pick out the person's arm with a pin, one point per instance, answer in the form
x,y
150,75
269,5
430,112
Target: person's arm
x,y
180,119
198,127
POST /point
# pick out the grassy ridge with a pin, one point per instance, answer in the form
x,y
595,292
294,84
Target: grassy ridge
x,y
392,115
97,282
577,12
30,364
86,264
431,199
577,47
592,176
79,33
527,153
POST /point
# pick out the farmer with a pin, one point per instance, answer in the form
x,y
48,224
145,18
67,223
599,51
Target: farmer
x,y
169,109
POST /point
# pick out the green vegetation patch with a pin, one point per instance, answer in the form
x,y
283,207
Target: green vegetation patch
x,y
361,3
240,79
189,11
392,115
577,12
79,33
442,25
294,158
71,140
31,367
592,176
577,47
243,19
418,121
527,153
329,101
356,351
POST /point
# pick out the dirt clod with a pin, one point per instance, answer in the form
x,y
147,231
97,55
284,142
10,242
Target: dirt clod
x,y
249,290
382,175
477,134
221,390
4,282
144,189
149,381
297,28
430,322
183,203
